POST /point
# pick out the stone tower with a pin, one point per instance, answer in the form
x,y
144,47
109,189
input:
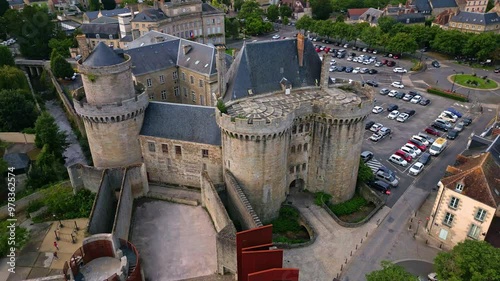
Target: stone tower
x,y
111,106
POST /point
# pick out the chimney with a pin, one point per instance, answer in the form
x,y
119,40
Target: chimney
x,y
155,4
83,47
300,48
221,70
325,73
186,48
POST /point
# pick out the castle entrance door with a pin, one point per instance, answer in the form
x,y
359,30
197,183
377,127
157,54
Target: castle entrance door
x,y
297,185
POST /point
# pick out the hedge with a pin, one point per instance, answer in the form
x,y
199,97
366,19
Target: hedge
x,y
446,94
350,206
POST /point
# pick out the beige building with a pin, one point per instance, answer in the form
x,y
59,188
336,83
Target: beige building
x,y
476,6
475,22
467,201
191,20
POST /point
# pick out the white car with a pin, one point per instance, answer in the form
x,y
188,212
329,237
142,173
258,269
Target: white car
x,y
421,139
276,36
444,122
398,160
393,114
392,93
356,70
332,62
402,117
410,151
349,58
377,109
397,84
416,99
448,117
459,127
378,64
414,147
375,127
416,169
399,70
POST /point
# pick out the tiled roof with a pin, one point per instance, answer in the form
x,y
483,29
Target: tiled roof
x,y
151,37
182,122
155,57
102,55
149,15
480,176
106,13
443,4
260,66
371,15
98,28
105,20
17,160
356,12
423,6
200,57
476,18
410,18
209,9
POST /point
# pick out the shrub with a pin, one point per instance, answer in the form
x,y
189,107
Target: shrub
x,y
365,173
447,94
321,198
221,106
64,205
350,206
34,206
287,220
22,236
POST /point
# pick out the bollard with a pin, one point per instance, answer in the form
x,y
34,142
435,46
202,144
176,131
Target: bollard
x,y
356,246
351,253
426,241
341,267
76,226
361,240
346,261
57,236
366,234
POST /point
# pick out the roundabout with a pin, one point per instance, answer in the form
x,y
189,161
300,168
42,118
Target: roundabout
x,y
473,81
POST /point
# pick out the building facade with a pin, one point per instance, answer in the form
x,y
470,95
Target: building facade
x,y
467,201
475,22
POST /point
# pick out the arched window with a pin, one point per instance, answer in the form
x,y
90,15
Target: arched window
x,y
292,150
299,148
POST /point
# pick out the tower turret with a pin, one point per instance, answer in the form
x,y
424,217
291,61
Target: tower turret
x,y
111,106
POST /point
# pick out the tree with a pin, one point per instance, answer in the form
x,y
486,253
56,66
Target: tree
x,y
4,6
483,46
273,13
340,18
469,261
285,20
60,67
232,26
61,46
47,133
94,5
285,11
371,35
402,42
249,8
386,23
365,174
321,9
47,169
238,4
6,57
17,111
304,23
13,78
390,272
125,3
108,4
450,42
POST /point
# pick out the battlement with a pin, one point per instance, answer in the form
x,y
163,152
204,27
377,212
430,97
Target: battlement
x,y
275,113
105,70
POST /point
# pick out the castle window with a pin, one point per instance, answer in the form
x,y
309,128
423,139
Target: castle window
x,y
204,153
178,150
297,168
299,148
301,128
454,202
193,96
163,94
448,219
307,127
151,146
183,76
204,166
294,129
292,150
202,100
292,169
149,82
213,21
152,96
185,90
175,75
164,148
200,83
474,231
305,146
192,79
162,79
480,215
304,167
176,91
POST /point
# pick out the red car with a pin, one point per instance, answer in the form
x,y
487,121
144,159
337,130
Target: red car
x,y
384,61
391,63
395,56
318,50
432,131
418,144
405,155
326,50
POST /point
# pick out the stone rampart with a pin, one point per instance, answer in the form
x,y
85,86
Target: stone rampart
x,y
123,215
138,178
104,208
82,176
239,206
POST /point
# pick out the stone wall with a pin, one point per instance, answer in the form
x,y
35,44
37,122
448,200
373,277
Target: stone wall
x,y
226,232
104,208
137,176
82,176
124,208
239,207
21,204
14,137
169,167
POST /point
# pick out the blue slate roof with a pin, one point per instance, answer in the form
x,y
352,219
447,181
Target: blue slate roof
x,y
443,4
181,122
410,18
103,55
423,6
17,160
107,13
149,15
476,18
260,66
155,57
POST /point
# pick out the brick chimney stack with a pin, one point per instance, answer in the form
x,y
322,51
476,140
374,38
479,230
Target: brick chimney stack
x,y
325,73
83,47
300,48
221,70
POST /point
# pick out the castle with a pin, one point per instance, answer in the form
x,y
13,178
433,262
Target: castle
x,y
279,124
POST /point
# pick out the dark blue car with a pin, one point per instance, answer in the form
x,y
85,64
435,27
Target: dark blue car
x,y
454,111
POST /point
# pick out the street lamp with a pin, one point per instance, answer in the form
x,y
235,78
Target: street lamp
x,y
455,78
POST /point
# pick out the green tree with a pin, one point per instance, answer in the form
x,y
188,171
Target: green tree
x,y
47,133
60,67
232,26
47,169
371,36
61,46
304,23
285,11
238,4
423,34
126,3
340,18
4,6
273,13
386,23
108,4
17,111
285,20
365,174
402,42
469,261
450,42
248,9
321,9
483,46
6,57
12,78
390,272
94,5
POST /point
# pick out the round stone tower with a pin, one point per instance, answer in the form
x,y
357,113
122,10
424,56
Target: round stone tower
x,y
111,106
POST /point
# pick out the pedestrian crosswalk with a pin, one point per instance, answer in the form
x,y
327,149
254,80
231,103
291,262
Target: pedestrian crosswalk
x,y
374,165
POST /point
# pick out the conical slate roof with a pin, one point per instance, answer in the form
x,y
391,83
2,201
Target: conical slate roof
x,y
102,55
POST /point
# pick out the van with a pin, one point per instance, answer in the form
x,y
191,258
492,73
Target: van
x,y
438,146
388,178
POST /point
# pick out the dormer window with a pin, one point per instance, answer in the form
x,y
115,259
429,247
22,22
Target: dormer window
x,y
459,188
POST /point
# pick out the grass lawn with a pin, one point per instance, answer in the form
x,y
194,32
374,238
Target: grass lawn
x,y
471,81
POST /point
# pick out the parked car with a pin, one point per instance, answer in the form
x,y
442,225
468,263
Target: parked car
x,y
377,109
277,36
421,139
393,114
467,121
407,97
459,127
341,68
384,91
381,186
393,93
378,64
387,177
376,137
407,157
410,151
416,99
372,83
414,147
397,84
454,111
399,95
392,107
348,69
373,71
399,70
446,117
432,131
427,137
356,70
424,101
375,127
418,144
416,169
366,156
453,134
402,117
398,160
368,125
384,131
391,63
425,158
439,126
444,122
410,112
436,64
364,70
